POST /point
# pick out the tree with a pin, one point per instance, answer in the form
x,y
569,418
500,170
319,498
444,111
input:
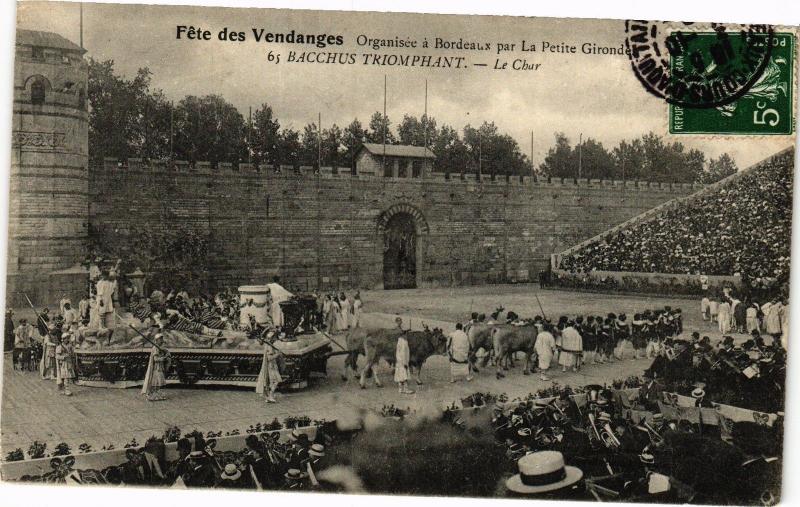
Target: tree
x,y
332,147
629,160
719,168
559,160
417,132
289,148
209,128
594,161
451,152
353,136
264,136
127,118
309,145
377,125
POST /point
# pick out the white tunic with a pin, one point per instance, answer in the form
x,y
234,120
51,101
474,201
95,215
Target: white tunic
x,y
545,348
356,317
402,356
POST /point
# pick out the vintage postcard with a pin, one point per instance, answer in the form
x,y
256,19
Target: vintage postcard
x,y
416,254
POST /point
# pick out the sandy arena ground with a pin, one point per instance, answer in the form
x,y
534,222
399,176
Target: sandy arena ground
x,y
114,416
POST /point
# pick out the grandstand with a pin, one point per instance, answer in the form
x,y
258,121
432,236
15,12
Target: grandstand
x,y
739,226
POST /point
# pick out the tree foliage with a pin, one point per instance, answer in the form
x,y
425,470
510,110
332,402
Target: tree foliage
x,y
129,118
646,158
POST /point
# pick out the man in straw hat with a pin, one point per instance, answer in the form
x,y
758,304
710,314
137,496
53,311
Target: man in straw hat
x,y
543,473
231,478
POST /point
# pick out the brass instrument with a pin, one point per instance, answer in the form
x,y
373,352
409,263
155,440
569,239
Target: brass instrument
x,y
609,438
655,437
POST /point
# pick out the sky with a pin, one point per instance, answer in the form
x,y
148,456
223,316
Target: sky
x,y
596,96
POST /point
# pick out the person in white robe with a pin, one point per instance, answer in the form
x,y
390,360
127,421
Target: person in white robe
x,y
545,348
772,319
344,305
83,308
326,313
270,376
357,306
705,307
458,351
106,287
70,314
402,357
713,309
752,319
571,348
724,317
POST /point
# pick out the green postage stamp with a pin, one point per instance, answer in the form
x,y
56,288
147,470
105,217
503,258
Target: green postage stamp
x,y
765,104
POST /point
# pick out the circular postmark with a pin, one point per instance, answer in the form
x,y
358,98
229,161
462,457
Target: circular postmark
x,y
695,66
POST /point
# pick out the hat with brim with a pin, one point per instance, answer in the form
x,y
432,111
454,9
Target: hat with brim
x,y
542,472
698,393
317,450
295,474
231,473
197,455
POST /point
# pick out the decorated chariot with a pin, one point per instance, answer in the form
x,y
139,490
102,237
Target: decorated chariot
x,y
205,356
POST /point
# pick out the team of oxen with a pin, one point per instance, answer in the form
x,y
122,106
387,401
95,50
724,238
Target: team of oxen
x,y
500,342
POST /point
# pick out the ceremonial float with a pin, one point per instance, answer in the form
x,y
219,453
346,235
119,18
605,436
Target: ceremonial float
x,y
213,357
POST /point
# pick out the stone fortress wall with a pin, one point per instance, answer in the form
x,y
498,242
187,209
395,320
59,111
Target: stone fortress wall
x,y
326,231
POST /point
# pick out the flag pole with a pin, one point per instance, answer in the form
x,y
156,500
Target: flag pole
x,y
81,23
319,141
425,125
384,123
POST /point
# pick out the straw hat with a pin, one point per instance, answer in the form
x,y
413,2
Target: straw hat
x,y
295,474
541,472
231,473
317,450
698,393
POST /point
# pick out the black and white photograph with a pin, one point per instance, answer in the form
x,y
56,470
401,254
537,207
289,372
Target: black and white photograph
x,y
381,253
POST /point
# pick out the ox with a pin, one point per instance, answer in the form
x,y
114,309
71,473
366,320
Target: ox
x,y
510,339
382,343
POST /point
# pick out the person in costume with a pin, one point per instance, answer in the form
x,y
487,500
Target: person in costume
x,y
545,348
571,348
156,379
48,368
344,313
402,358
22,345
270,376
357,307
458,351
65,359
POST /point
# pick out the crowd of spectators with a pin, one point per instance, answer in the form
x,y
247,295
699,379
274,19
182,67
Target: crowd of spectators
x,y
743,227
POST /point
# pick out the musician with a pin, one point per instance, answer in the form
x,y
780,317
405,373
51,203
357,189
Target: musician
x,y
232,478
202,472
298,453
141,468
296,479
181,466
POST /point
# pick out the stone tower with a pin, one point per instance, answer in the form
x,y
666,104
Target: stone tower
x,y
48,204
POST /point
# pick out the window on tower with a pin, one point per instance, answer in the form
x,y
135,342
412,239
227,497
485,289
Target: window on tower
x,y
38,92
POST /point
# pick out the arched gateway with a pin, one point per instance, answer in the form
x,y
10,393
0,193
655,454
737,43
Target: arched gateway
x,y
402,227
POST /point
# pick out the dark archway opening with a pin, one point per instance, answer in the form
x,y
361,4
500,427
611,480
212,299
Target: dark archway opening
x,y
400,252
